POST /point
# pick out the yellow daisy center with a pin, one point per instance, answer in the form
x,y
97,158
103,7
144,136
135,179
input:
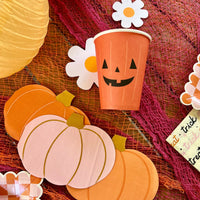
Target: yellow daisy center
x,y
91,64
129,12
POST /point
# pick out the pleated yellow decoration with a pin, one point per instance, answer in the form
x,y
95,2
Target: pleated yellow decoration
x,y
23,27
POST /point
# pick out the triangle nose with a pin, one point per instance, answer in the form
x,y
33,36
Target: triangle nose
x,y
117,69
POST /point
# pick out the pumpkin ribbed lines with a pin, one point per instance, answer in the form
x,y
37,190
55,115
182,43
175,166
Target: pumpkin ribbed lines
x,y
51,120
124,180
33,90
104,164
88,193
64,115
54,149
124,176
79,159
74,109
38,111
35,100
51,147
147,168
133,176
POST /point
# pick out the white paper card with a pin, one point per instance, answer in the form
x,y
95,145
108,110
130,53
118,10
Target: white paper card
x,y
186,138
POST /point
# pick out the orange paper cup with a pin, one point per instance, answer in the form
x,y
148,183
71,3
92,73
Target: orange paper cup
x,y
121,59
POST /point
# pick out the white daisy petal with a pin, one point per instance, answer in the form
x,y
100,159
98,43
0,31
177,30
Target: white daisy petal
x,y
143,13
84,65
128,16
73,69
116,16
126,1
117,5
84,83
75,52
138,4
97,83
126,23
95,79
90,47
137,22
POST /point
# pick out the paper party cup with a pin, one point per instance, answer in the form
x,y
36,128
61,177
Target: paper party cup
x,y
121,59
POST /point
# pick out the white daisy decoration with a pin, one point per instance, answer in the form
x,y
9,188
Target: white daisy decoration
x,y
129,13
84,66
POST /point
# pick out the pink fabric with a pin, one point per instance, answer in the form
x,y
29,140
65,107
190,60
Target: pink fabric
x,y
198,34
5,168
69,12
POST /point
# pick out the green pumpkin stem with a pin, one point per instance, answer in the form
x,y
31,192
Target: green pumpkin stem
x,y
76,120
119,142
65,97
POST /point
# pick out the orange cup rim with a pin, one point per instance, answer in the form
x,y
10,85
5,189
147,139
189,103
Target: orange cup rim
x,y
123,30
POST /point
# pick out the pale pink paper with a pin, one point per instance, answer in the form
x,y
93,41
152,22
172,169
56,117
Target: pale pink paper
x,y
38,143
63,158
93,148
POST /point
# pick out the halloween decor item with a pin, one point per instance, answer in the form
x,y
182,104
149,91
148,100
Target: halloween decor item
x,y
129,13
121,60
133,177
185,138
20,186
66,151
84,65
191,96
23,29
32,101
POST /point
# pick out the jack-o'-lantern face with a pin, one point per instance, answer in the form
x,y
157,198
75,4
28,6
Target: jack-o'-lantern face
x,y
115,82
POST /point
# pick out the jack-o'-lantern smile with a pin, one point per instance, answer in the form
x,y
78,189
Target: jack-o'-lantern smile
x,y
113,82
116,82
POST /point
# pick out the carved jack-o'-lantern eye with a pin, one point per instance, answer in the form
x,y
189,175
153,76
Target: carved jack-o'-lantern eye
x,y
105,66
133,66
